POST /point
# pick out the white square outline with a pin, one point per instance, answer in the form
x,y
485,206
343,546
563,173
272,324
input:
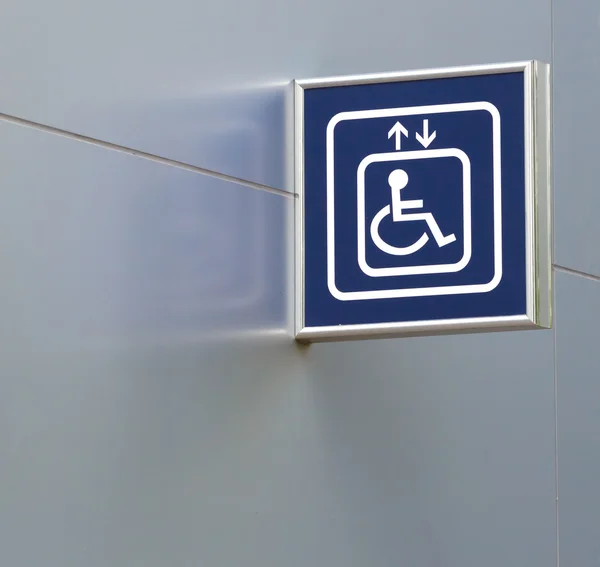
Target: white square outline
x,y
414,270
497,195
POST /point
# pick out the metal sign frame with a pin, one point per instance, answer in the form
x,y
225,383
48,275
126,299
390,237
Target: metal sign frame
x,y
538,215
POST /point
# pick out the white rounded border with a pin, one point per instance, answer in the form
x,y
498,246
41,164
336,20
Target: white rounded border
x,y
497,196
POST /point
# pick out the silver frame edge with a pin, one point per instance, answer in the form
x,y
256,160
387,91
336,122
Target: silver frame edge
x,y
436,73
415,329
299,207
542,190
538,209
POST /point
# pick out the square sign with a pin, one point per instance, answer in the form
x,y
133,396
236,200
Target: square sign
x,y
424,202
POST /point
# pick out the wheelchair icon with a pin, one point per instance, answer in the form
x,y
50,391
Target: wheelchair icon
x,y
398,180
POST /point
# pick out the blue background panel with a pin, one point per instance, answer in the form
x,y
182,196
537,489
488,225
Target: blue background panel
x,y
437,181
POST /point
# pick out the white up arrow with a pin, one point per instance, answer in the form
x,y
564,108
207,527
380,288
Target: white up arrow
x,y
425,139
398,130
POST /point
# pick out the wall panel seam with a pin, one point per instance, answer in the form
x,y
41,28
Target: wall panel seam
x,y
577,273
143,155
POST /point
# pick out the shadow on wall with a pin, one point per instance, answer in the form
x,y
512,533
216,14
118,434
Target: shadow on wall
x,y
180,259
206,258
103,247
238,131
210,261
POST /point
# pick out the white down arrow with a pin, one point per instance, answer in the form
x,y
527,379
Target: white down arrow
x,y
426,139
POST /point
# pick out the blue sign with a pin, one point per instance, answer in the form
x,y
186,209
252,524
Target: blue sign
x,y
418,212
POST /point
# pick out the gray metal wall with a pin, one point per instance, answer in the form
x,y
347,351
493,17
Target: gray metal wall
x,y
153,408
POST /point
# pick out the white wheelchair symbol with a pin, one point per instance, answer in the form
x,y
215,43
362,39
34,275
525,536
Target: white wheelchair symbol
x,y
404,210
398,180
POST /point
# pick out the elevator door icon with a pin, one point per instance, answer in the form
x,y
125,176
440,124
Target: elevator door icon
x,y
413,202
